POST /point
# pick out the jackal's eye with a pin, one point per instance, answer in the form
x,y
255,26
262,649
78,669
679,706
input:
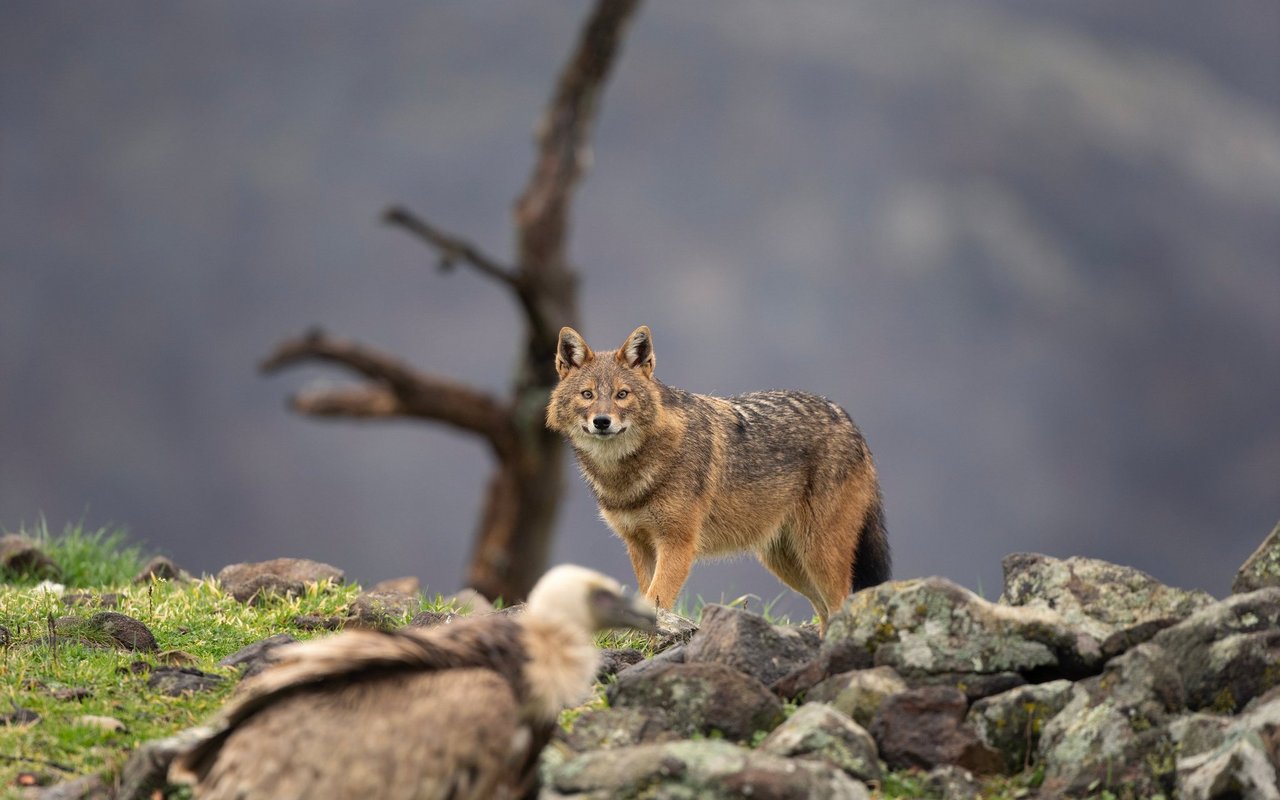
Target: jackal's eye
x,y
622,394
587,394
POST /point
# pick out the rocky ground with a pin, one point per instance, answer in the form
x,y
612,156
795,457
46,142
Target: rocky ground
x,y
1084,678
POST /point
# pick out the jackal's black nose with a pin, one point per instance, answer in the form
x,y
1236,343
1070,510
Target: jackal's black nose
x,y
601,422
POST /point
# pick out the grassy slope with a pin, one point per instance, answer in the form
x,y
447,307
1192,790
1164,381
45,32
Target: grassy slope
x,y
196,625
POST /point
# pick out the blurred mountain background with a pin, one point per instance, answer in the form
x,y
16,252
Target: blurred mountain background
x,y
1033,248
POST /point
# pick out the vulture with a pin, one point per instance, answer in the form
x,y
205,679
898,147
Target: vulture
x,y
454,711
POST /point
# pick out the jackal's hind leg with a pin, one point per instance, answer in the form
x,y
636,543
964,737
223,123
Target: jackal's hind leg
x,y
780,558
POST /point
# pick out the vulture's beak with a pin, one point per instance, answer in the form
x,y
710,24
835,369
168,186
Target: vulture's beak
x,y
615,610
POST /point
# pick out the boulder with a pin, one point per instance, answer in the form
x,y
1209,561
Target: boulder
x,y
1262,569
108,628
1095,596
288,576
673,630
1010,722
924,728
707,770
748,643
381,609
931,625
703,698
177,681
949,782
161,568
819,732
860,693
615,659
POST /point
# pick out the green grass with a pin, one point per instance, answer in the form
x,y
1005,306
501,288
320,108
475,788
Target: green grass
x,y
87,558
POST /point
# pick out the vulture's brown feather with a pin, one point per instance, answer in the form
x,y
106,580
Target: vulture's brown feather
x,y
455,711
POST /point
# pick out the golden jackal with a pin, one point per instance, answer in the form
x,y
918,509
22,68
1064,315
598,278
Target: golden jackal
x,y
681,475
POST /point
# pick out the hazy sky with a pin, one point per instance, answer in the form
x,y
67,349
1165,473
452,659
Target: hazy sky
x,y
1034,252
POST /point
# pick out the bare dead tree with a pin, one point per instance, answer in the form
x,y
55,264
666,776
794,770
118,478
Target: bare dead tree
x,y
516,523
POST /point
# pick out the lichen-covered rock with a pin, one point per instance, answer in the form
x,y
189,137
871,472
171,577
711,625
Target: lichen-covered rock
x,y
673,630
1096,596
932,625
949,782
923,728
608,728
1262,569
858,694
701,698
819,732
1244,762
832,659
1010,722
705,770
748,643
1116,729
288,576
615,659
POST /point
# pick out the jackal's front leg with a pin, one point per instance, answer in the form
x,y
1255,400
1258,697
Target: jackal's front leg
x,y
675,559
642,561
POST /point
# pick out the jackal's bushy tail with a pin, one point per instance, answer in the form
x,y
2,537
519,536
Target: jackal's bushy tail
x,y
871,562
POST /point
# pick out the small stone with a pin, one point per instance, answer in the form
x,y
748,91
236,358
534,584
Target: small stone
x,y
382,609
91,600
177,681
19,716
86,787
22,556
289,576
125,632
312,622
673,630
408,585
613,660
160,568
252,659
427,619
67,693
950,782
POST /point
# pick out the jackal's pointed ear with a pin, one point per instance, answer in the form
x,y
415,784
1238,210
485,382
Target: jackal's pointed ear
x,y
572,351
637,350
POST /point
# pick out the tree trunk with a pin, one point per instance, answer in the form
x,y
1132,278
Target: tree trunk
x,y
513,540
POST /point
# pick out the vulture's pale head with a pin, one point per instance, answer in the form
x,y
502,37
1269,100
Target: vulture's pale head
x,y
588,601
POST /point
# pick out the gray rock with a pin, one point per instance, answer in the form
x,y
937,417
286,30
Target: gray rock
x,y
1244,762
91,599
253,658
313,622
468,601
748,643
860,693
1262,569
702,698
408,585
615,659
924,728
22,556
289,576
931,625
607,728
819,732
427,619
1095,596
673,630
177,681
636,671
705,770
1010,722
974,685
840,657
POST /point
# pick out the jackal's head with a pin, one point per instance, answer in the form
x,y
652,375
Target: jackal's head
x,y
604,401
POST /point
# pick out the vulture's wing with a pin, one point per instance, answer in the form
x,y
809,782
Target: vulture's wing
x,y
492,642
450,734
